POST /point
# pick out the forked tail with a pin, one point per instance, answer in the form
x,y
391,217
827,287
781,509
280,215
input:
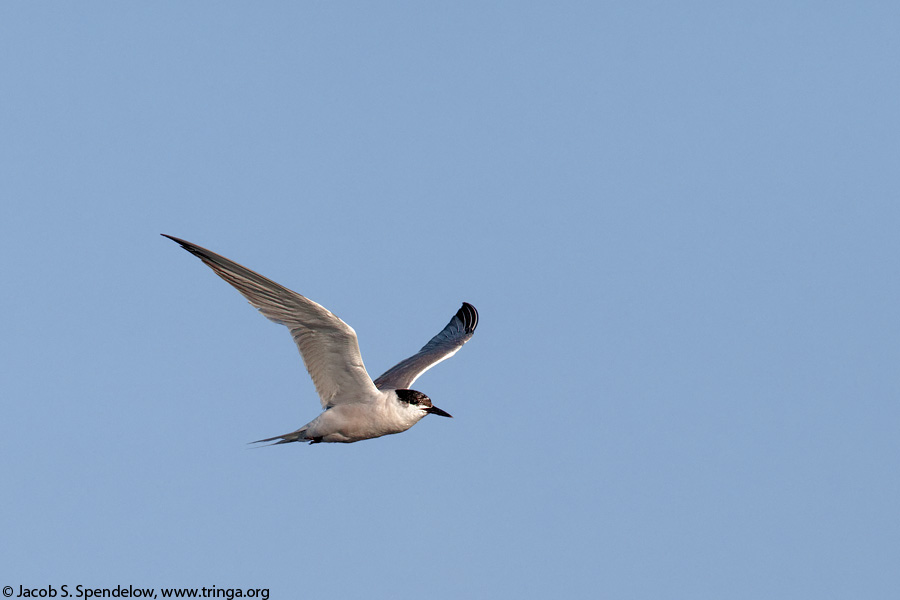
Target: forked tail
x,y
287,438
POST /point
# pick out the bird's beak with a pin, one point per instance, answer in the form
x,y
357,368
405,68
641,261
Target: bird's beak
x,y
434,410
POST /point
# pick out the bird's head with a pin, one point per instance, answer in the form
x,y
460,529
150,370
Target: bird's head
x,y
419,400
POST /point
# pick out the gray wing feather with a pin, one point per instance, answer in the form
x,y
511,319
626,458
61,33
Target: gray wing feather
x,y
328,346
458,331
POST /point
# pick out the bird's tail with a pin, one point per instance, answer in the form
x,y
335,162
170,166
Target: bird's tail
x,y
294,436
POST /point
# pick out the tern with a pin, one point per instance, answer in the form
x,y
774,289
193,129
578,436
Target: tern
x,y
354,406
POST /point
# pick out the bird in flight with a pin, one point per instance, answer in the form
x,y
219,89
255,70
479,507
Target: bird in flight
x,y
354,407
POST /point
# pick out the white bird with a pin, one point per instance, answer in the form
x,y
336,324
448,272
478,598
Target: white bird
x,y
355,407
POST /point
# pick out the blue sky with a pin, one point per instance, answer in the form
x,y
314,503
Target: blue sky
x,y
679,223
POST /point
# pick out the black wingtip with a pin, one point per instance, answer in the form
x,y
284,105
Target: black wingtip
x,y
183,243
198,251
469,316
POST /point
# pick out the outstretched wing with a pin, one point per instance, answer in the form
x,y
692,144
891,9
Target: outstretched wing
x,y
441,347
328,346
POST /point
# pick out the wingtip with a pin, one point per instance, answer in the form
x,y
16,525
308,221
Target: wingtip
x,y
198,251
181,242
469,316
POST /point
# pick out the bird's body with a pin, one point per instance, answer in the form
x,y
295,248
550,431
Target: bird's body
x,y
380,415
356,408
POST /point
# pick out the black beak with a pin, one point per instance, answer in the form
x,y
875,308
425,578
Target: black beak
x,y
434,410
